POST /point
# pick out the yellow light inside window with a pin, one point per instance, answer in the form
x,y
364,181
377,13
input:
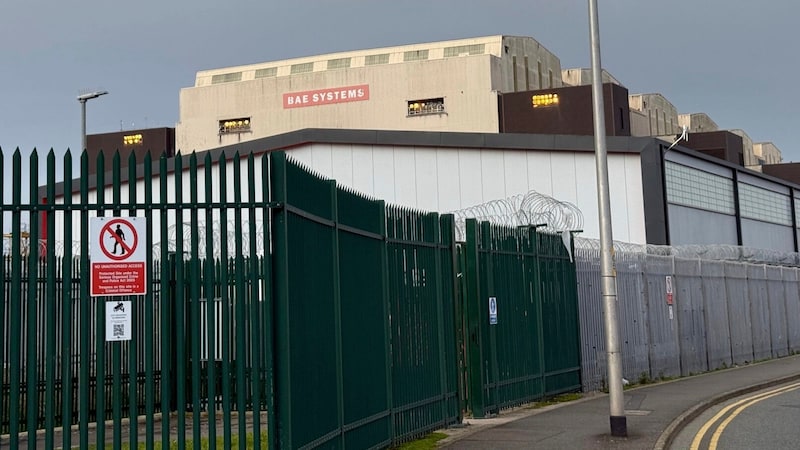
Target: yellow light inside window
x,y
540,100
132,139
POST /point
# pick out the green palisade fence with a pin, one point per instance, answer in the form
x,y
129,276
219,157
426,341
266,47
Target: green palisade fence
x,y
531,351
281,309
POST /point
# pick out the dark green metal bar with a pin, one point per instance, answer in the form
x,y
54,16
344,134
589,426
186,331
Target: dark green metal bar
x,y
440,312
15,313
226,304
255,303
476,377
31,364
68,367
486,236
179,302
85,304
133,344
268,306
166,307
51,352
116,364
280,233
194,298
337,313
239,303
538,296
210,296
100,324
387,332
149,328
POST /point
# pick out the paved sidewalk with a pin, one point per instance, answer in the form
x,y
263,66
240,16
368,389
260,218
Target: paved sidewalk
x,y
654,413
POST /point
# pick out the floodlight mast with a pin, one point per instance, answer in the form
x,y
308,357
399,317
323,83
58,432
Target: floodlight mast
x,y
83,98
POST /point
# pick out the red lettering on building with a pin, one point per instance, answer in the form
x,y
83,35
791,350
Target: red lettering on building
x,y
326,96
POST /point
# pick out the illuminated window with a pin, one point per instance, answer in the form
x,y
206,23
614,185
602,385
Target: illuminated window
x,y
132,139
240,125
542,100
427,106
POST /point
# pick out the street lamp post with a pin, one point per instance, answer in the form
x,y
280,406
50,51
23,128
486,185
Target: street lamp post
x,y
83,98
608,278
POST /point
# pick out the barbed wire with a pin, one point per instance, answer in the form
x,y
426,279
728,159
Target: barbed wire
x,y
710,252
532,208
188,233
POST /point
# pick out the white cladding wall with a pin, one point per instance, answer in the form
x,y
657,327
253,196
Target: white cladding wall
x,y
448,179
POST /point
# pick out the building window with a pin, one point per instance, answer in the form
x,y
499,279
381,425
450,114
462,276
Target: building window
x,y
427,106
542,100
226,77
302,68
463,50
132,139
695,188
415,55
240,125
551,78
764,205
267,73
341,63
373,60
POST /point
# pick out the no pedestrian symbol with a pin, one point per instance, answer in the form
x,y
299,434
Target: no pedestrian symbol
x,y
117,259
118,239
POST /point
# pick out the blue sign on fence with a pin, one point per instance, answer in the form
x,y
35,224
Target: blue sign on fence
x,y
492,310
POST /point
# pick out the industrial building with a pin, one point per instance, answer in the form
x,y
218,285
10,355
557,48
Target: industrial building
x,y
658,195
156,141
441,86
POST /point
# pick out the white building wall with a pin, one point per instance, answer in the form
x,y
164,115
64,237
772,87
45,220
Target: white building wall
x,y
445,180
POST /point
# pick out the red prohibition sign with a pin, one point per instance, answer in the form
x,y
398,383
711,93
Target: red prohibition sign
x,y
119,239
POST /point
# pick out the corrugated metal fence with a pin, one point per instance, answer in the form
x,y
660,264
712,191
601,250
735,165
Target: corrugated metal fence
x,y
722,313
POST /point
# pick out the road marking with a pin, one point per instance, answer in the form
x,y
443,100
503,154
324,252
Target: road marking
x,y
741,405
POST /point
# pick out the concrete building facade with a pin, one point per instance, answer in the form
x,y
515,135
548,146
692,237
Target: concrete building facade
x,y
441,86
653,115
697,122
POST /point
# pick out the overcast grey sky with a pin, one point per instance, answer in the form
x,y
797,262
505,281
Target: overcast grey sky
x,y
732,59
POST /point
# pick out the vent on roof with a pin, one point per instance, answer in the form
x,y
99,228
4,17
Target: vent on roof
x,y
341,63
372,60
415,55
226,77
474,49
267,73
302,68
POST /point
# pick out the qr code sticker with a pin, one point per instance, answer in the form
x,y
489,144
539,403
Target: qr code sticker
x,y
119,330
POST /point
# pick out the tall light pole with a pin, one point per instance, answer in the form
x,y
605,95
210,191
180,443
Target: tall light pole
x,y
83,98
608,278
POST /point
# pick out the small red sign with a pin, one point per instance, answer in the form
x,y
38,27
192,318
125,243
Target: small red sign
x,y
118,279
117,260
326,96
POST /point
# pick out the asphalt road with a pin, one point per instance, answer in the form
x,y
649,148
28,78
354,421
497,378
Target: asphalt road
x,y
767,419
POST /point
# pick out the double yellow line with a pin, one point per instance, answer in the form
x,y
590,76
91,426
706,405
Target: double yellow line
x,y
739,406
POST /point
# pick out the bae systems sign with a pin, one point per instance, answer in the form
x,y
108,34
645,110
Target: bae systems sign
x,y
326,96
